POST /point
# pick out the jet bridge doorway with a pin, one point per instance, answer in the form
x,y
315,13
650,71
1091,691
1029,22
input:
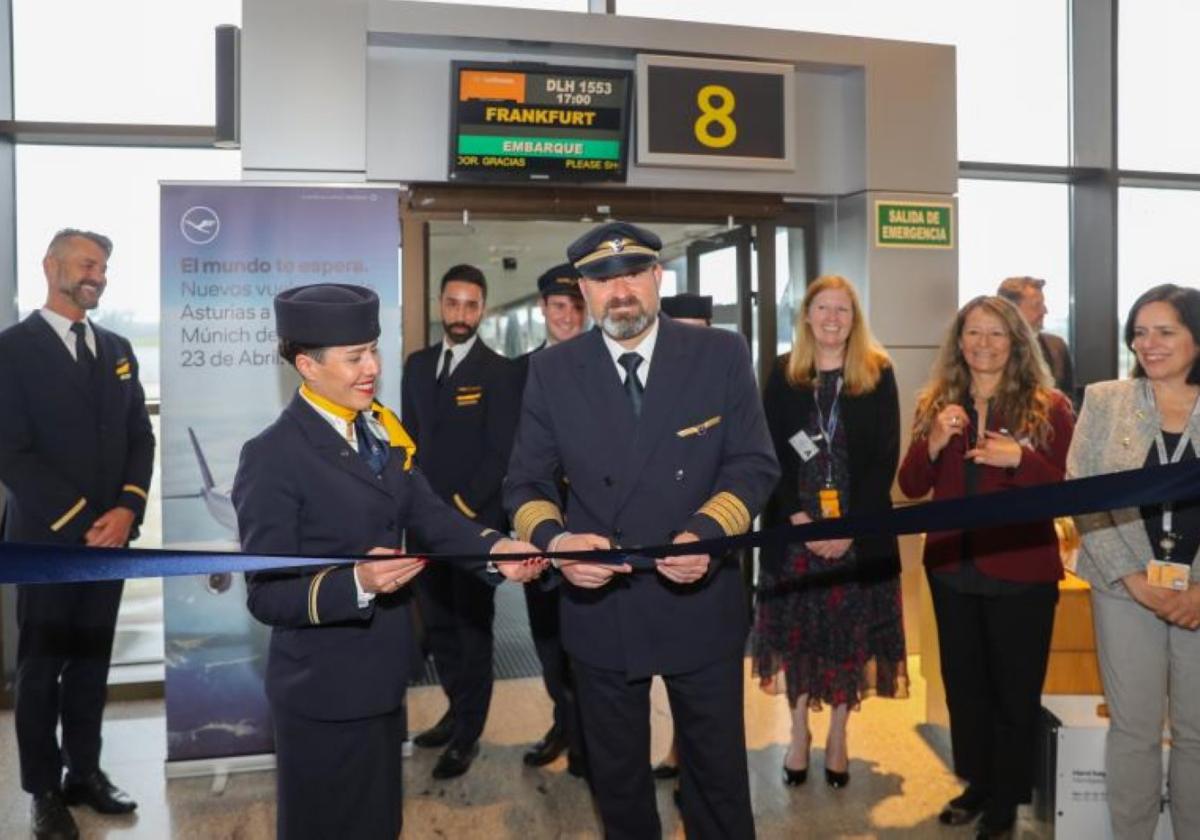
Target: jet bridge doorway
x,y
752,253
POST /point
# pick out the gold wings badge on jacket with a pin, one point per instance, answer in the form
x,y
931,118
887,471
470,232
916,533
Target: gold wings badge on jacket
x,y
699,428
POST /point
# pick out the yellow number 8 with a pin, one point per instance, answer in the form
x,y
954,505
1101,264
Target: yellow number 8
x,y
718,115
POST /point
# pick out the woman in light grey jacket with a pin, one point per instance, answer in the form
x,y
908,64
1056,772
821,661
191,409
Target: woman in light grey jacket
x,y
1148,644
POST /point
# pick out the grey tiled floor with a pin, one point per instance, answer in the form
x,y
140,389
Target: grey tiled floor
x,y
899,779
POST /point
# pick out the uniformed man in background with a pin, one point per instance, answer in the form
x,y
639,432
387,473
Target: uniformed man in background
x,y
460,402
1027,294
689,308
334,476
76,454
660,429
562,309
561,304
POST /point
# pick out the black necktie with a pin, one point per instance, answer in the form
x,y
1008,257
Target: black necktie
x,y
445,371
633,385
371,448
83,354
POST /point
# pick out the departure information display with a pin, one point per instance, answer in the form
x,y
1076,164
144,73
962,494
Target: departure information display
x,y
539,123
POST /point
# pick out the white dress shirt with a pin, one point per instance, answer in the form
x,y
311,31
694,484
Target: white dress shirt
x,y
458,352
645,349
62,325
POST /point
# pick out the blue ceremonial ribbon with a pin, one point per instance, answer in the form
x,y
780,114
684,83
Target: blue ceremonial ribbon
x,y
28,563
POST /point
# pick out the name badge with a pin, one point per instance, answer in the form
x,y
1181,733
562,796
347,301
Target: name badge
x,y
831,503
803,445
1166,575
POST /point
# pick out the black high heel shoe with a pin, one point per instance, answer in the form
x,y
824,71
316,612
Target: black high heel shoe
x,y
795,778
836,779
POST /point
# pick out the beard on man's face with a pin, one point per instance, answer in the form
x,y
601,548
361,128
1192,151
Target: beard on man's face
x,y
85,294
459,331
631,323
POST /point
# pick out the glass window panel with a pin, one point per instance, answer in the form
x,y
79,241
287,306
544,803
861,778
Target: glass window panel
x,y
545,5
790,283
1011,56
1154,246
114,192
1008,229
1158,122
670,283
119,61
718,276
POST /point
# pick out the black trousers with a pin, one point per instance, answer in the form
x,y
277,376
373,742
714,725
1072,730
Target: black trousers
x,y
338,779
994,651
64,644
457,610
707,705
541,605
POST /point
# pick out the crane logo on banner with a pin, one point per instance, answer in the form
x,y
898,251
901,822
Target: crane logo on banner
x,y
200,225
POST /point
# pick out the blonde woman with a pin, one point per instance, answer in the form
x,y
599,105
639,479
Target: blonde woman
x,y
828,618
990,419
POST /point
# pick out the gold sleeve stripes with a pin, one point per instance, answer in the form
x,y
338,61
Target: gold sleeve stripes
x,y
135,490
463,507
314,587
730,513
71,513
532,514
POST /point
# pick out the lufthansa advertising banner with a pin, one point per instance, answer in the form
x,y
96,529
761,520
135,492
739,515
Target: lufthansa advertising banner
x,y
226,251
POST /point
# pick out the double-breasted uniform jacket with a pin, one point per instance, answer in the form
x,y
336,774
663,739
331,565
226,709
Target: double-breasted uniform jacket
x,y
302,489
464,427
699,459
548,583
872,423
71,447
1116,430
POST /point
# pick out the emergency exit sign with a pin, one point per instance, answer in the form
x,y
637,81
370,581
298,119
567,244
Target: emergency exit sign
x,y
914,224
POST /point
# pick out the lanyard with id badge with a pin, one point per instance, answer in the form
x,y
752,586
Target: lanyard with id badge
x,y
1166,573
807,448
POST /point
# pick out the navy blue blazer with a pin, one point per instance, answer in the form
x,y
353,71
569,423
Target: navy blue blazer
x,y
301,489
71,447
464,428
699,459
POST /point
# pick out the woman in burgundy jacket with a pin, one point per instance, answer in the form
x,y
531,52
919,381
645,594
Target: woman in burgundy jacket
x,y
989,419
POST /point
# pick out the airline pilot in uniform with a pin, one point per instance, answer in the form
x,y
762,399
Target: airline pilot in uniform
x,y
334,476
562,308
460,401
660,430
76,454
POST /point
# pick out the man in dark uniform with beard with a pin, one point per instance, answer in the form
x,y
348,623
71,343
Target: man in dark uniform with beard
x,y
334,476
460,402
660,430
76,454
